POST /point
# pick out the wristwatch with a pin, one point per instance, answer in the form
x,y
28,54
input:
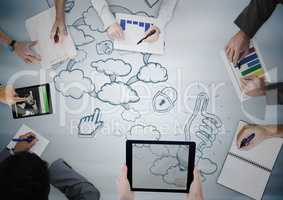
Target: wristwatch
x,y
12,45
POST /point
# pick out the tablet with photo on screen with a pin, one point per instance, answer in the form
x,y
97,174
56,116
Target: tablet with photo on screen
x,y
37,101
160,166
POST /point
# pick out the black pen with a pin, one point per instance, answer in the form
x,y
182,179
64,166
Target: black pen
x,y
152,32
246,141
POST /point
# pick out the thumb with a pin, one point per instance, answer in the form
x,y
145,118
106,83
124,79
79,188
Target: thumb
x,y
19,99
124,173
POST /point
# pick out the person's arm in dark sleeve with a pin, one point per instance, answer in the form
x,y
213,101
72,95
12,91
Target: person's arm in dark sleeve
x,y
72,184
5,153
274,94
254,16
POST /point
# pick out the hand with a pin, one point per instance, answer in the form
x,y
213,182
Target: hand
x,y
25,146
90,124
261,133
115,32
196,192
59,27
9,96
253,85
23,50
237,47
123,186
155,36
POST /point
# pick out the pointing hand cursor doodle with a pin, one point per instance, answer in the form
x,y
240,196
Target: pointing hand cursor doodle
x,y
90,124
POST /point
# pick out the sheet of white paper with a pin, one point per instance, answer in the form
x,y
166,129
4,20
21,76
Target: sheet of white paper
x,y
39,28
134,28
40,145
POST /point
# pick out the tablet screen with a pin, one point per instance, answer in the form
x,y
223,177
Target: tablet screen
x,y
37,101
162,166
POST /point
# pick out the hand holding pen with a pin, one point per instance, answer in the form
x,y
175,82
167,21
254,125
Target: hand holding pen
x,y
151,35
25,142
251,135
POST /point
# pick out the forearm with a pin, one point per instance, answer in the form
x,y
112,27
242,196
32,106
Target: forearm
x,y
103,11
165,13
60,6
254,16
5,39
275,130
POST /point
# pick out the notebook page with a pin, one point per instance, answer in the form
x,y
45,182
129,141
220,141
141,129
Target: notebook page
x,y
243,177
40,145
264,154
39,28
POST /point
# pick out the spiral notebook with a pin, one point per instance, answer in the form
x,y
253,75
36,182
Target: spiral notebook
x,y
248,172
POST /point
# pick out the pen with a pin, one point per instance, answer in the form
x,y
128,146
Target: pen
x,y
247,140
29,139
56,36
152,32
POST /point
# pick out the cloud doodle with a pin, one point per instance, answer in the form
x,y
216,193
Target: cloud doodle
x,y
150,73
130,115
80,36
73,83
112,67
117,93
143,132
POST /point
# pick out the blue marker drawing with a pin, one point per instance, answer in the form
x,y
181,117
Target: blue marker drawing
x,y
90,124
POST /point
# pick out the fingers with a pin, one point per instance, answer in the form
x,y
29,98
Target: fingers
x,y
152,38
32,59
115,32
62,33
53,32
243,133
236,56
19,99
124,172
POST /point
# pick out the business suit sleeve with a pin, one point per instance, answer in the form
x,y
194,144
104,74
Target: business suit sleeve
x,y
254,16
166,12
103,11
4,154
72,184
274,94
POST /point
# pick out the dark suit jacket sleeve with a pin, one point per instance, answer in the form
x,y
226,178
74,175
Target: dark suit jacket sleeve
x,y
72,184
4,154
254,15
274,94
